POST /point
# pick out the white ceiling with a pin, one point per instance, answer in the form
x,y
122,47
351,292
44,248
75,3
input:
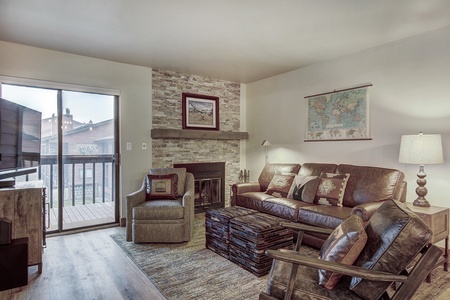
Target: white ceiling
x,y
237,40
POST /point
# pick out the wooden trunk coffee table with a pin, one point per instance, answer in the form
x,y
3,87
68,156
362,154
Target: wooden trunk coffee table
x,y
252,235
217,227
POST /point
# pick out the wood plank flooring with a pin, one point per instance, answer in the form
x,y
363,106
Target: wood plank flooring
x,y
87,265
83,215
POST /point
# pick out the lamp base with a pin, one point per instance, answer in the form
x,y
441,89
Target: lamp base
x,y
421,202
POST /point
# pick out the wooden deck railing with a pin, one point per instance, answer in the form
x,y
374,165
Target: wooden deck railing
x,y
87,179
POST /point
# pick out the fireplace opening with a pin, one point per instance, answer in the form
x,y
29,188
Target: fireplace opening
x,y
209,181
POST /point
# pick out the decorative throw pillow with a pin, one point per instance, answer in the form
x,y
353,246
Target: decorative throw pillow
x,y
279,185
310,189
162,186
343,246
298,184
331,189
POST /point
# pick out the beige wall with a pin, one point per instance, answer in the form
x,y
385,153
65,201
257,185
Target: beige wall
x,y
410,93
134,84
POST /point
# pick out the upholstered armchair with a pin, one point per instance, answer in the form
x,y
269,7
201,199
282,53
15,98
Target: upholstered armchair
x,y
162,210
357,262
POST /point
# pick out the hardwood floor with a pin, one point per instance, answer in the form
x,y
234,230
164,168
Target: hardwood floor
x,y
87,265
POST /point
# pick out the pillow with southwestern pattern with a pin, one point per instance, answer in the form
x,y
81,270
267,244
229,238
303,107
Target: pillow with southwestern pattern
x,y
331,189
279,185
162,186
298,184
343,246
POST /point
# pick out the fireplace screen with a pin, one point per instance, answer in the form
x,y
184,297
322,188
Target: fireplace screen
x,y
207,192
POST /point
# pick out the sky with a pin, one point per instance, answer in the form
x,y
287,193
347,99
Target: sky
x,y
83,106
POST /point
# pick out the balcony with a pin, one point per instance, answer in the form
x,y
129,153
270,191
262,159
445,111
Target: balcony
x,y
88,190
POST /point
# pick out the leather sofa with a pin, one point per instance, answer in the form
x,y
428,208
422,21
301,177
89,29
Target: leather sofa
x,y
366,189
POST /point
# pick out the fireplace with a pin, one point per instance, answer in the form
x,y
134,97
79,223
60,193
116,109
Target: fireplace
x,y
209,184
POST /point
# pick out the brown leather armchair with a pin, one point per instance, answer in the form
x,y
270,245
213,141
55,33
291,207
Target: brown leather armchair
x,y
397,250
162,220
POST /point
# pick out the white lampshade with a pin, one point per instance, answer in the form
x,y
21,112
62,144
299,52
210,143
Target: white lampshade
x,y
421,149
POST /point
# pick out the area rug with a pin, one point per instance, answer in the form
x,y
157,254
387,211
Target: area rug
x,y
190,271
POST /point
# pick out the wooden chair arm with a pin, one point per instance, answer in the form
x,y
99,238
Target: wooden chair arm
x,y
307,228
299,259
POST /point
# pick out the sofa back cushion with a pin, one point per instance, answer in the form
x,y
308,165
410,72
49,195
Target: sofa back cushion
x,y
271,169
315,169
370,184
395,235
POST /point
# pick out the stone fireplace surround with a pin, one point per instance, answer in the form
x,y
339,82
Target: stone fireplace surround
x,y
171,144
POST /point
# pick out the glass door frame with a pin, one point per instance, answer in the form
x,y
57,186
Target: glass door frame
x,y
60,87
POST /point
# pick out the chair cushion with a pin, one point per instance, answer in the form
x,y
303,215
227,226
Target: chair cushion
x,y
159,210
162,187
181,172
331,189
395,237
344,246
280,185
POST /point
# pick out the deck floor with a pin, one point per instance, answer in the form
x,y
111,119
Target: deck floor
x,y
82,215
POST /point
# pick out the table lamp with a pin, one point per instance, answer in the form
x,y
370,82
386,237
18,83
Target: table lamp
x,y
421,149
266,145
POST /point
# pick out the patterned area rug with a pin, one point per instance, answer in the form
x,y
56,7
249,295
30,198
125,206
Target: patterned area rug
x,y
190,271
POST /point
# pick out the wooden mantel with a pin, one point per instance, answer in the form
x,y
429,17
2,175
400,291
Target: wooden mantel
x,y
160,133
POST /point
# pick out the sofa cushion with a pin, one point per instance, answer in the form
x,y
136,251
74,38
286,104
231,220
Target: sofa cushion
x,y
280,185
331,189
315,169
181,172
160,187
323,215
395,236
370,184
252,200
283,207
343,246
271,169
297,186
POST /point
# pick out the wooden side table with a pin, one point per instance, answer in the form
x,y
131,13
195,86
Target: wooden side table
x,y
437,218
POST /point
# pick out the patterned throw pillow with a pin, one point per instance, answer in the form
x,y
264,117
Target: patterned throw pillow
x,y
331,189
162,187
344,246
279,185
298,185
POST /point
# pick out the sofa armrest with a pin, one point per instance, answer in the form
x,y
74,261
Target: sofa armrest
x,y
366,210
240,188
133,199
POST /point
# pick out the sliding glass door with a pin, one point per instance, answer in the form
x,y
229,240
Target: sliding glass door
x,y
78,147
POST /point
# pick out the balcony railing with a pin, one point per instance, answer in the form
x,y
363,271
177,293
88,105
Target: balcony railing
x,y
86,179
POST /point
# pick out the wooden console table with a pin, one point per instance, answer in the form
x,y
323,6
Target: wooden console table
x,y
22,204
437,219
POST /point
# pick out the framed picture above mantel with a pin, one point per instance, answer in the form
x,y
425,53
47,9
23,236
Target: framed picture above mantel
x,y
340,115
200,112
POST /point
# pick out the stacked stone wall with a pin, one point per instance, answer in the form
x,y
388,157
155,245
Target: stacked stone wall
x,y
167,89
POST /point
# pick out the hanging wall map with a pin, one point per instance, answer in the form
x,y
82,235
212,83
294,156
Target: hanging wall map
x,y
339,115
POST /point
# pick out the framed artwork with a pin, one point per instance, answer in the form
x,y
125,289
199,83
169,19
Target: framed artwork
x,y
200,112
339,115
